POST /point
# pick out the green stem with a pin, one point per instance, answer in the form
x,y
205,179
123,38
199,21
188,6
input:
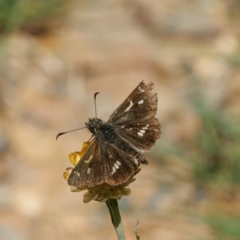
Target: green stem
x,y
135,230
116,218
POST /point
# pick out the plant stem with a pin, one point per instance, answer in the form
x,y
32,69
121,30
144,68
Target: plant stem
x,y
116,218
135,230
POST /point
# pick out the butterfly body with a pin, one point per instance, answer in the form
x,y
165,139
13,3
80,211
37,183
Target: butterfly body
x,y
103,131
113,155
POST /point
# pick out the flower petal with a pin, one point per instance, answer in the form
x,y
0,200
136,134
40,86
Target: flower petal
x,y
67,173
88,196
74,157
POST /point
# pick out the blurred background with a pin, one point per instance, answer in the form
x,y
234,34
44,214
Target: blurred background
x,y
54,55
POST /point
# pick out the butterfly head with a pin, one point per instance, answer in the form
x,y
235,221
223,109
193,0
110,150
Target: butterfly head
x,y
93,124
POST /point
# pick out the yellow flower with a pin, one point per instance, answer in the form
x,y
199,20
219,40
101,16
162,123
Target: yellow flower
x,y
99,192
76,156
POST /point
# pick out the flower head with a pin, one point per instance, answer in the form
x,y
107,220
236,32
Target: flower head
x,y
99,192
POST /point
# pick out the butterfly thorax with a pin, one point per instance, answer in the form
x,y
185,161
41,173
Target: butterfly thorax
x,y
103,131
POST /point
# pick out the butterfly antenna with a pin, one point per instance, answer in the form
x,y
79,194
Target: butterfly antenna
x,y
61,133
95,95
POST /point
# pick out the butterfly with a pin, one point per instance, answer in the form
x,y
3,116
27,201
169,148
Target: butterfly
x,y
114,152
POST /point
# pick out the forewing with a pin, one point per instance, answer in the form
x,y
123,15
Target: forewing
x,y
107,163
141,104
134,119
90,170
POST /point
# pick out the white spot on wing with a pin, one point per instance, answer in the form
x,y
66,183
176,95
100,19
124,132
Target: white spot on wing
x,y
130,105
123,125
88,170
146,127
113,170
89,159
140,89
141,102
118,163
140,134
